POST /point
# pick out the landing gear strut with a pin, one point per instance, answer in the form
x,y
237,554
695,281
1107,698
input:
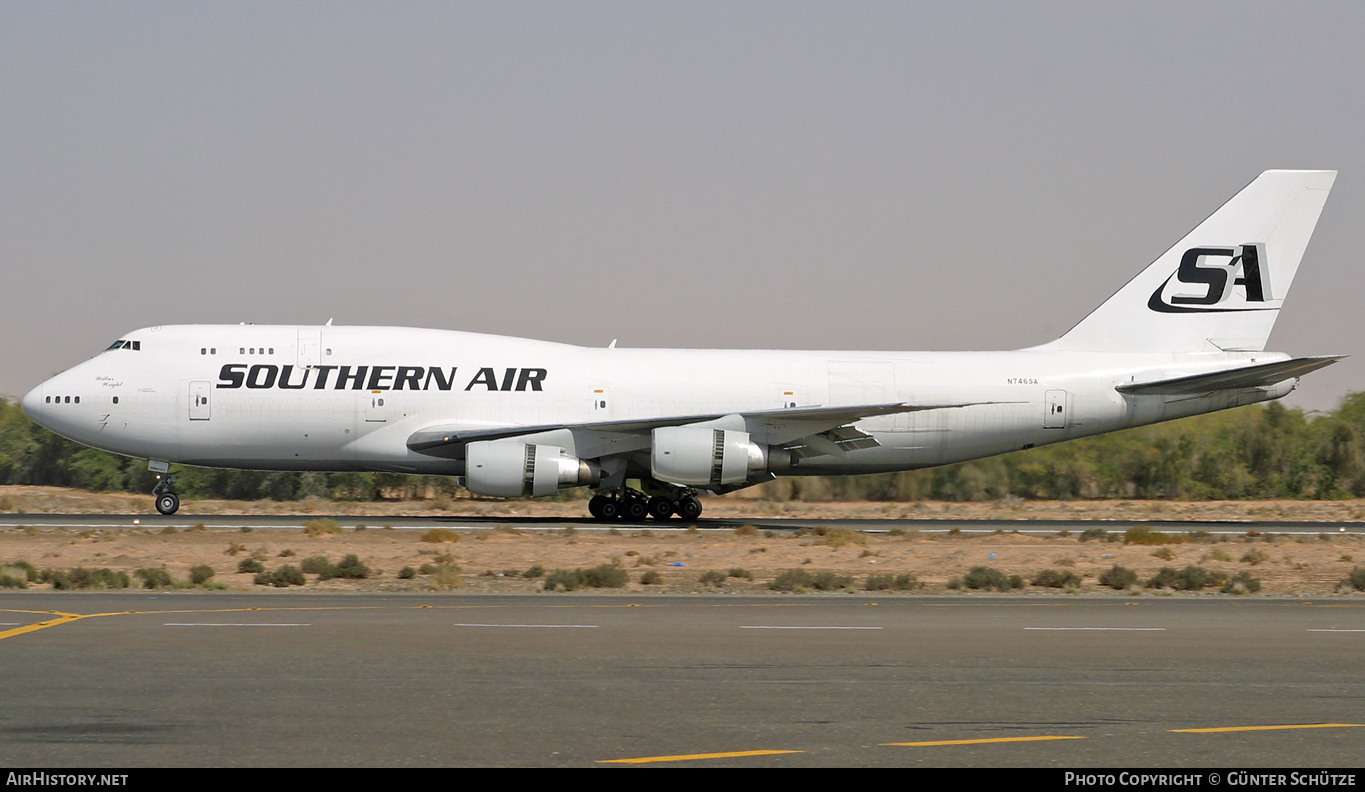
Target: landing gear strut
x,y
167,502
632,505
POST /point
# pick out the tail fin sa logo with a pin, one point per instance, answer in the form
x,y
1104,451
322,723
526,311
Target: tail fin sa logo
x,y
1213,280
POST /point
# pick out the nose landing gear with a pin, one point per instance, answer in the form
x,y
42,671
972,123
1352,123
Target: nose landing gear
x,y
167,502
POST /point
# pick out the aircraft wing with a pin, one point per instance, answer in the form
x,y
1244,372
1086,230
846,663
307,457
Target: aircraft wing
x,y
1230,379
830,427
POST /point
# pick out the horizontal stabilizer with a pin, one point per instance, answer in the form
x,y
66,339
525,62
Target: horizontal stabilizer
x,y
1256,376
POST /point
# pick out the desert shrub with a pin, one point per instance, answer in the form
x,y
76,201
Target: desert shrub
x,y
828,581
287,575
534,572
1118,578
564,580
1094,533
250,566
318,565
12,577
407,573
155,578
445,577
740,572
1165,553
1357,579
441,535
651,577
22,569
1051,578
712,577
1142,535
838,537
604,576
351,568
892,582
791,580
1255,556
1241,583
85,578
989,578
322,527
1191,578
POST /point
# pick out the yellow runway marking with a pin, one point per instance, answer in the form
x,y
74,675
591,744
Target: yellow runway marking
x,y
988,740
687,757
1271,728
61,618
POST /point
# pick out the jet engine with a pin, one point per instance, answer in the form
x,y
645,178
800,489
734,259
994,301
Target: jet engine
x,y
507,469
698,457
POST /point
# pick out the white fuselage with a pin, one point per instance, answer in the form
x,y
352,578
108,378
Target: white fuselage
x,y
349,398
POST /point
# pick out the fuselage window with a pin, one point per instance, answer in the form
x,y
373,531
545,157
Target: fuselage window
x,y
115,400
213,350
78,400
68,399
272,350
203,350
48,400
242,351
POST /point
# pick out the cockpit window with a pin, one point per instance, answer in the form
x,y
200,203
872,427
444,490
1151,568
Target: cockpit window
x,y
117,344
136,346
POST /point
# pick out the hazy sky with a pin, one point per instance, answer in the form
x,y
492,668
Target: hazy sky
x,y
850,175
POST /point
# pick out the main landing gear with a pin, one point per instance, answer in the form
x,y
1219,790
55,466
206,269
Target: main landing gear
x,y
633,506
167,502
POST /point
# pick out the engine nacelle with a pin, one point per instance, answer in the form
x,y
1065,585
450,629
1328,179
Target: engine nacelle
x,y
698,457
508,469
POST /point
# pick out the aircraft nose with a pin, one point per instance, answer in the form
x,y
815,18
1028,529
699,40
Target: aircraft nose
x,y
32,404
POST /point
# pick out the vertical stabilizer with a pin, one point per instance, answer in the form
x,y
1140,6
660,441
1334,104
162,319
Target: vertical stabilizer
x,y
1221,287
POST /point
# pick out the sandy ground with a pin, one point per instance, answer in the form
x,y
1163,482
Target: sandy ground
x,y
494,560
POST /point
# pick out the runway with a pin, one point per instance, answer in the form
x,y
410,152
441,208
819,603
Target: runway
x,y
244,680
292,522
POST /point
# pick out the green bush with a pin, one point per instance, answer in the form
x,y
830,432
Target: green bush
x,y
407,573
712,577
1118,578
1241,583
1191,578
155,578
990,579
1356,579
199,575
651,577
250,566
534,572
1051,578
84,578
892,582
287,575
318,565
352,568
322,527
791,580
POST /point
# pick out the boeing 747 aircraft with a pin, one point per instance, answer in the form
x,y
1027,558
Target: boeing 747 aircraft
x,y
650,428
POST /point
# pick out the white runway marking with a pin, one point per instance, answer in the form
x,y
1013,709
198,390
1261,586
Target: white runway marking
x,y
550,626
1100,629
233,624
778,627
1332,630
